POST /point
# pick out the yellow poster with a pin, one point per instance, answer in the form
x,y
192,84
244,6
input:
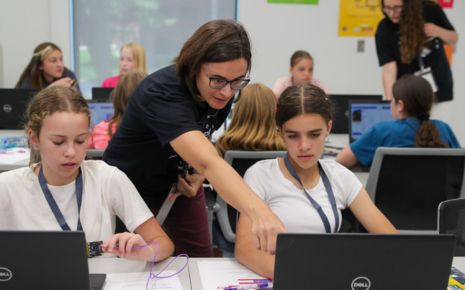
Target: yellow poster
x,y
359,17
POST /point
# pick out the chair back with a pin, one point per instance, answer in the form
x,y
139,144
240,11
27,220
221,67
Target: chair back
x,y
451,220
240,161
407,184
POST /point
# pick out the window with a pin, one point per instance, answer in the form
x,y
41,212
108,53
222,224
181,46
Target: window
x,y
161,26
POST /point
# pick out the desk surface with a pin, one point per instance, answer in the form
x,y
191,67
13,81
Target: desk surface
x,y
113,265
195,275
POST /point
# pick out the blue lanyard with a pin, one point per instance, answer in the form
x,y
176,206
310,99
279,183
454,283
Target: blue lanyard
x,y
53,205
328,189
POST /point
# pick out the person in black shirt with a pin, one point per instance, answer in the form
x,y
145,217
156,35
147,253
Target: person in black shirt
x,y
410,40
165,134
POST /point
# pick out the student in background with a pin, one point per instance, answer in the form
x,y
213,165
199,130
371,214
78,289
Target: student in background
x,y
132,59
294,185
412,100
410,39
45,69
253,125
82,195
102,132
301,72
163,141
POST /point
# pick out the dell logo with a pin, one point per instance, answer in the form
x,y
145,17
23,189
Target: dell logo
x,y
5,274
361,283
7,108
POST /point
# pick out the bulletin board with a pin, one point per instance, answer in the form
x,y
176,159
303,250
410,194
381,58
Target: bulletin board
x,y
359,17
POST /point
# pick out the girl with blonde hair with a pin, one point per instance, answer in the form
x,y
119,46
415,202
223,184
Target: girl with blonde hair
x,y
132,59
253,126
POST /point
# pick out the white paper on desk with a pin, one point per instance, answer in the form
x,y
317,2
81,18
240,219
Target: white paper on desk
x,y
14,155
138,281
216,274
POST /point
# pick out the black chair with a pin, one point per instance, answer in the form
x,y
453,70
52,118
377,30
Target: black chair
x,y
240,160
95,154
407,184
451,220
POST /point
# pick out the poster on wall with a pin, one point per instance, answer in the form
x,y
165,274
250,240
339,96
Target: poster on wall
x,y
359,17
314,2
446,3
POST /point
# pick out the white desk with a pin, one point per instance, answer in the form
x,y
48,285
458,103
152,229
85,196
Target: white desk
x,y
341,141
21,161
113,265
458,262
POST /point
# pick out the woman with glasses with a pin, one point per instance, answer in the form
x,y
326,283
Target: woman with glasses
x,y
410,40
163,144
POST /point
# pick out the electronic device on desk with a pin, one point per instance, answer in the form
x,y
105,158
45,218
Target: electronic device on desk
x,y
365,114
46,260
361,261
13,104
100,94
340,106
456,279
100,111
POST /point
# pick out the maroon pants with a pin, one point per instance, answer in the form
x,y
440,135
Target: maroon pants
x,y
187,226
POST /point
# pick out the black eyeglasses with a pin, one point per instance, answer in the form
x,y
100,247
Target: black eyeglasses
x,y
395,9
217,83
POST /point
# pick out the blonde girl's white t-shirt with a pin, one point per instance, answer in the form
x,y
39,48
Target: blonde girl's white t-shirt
x,y
107,193
290,203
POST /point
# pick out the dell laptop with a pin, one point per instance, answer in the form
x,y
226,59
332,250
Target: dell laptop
x,y
365,114
13,104
340,106
363,261
45,260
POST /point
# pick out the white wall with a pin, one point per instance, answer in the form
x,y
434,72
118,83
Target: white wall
x,y
23,25
276,31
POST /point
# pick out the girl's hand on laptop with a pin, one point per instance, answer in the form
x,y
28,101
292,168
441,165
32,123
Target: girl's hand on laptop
x,y
128,245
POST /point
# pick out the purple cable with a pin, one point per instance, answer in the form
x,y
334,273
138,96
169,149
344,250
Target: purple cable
x,y
157,275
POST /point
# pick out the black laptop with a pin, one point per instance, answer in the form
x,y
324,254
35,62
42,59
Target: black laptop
x,y
365,114
13,104
340,105
100,94
363,261
45,260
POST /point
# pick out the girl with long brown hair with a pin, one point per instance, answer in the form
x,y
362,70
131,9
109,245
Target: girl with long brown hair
x,y
410,40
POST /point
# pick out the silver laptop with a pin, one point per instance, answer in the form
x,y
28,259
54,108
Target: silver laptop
x,y
364,114
363,261
340,107
45,260
100,111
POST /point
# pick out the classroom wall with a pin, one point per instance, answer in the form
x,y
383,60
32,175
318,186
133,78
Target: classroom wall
x,y
23,25
276,31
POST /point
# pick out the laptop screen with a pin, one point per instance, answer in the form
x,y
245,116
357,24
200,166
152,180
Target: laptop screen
x,y
13,104
362,261
340,106
101,94
100,111
43,260
365,114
